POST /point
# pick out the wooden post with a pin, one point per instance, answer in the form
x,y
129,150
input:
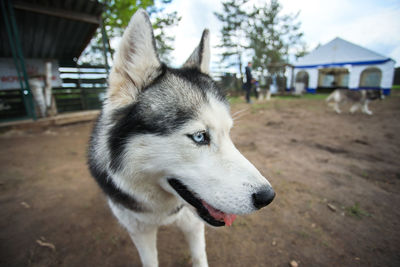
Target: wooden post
x,y
48,91
82,90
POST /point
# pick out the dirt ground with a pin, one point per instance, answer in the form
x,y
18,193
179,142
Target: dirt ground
x,y
337,179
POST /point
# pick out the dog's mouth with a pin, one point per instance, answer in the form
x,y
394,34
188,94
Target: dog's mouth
x,y
208,213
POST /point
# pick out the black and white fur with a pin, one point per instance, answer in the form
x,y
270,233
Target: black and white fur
x,y
359,98
161,150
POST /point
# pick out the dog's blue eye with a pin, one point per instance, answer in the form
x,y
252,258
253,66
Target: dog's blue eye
x,y
200,138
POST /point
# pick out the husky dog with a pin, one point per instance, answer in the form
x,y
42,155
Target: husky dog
x,y
360,98
161,150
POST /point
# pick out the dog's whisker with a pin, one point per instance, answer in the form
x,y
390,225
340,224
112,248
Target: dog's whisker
x,y
239,116
239,111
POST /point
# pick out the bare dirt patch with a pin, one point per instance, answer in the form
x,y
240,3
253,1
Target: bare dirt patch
x,y
337,179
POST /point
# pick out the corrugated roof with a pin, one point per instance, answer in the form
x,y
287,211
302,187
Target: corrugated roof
x,y
339,51
53,29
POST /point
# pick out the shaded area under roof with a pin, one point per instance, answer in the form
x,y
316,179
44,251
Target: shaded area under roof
x,y
53,29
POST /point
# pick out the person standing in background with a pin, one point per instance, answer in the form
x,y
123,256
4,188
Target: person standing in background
x,y
249,81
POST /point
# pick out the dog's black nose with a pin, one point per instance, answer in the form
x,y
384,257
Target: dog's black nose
x,y
263,198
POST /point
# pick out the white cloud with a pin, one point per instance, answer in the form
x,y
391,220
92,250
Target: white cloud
x,y
372,24
196,16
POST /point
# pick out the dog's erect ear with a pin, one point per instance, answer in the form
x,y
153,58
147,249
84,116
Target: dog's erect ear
x,y
200,58
136,63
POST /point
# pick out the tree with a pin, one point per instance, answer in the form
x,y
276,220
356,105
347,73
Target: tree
x,y
116,17
302,51
233,38
272,36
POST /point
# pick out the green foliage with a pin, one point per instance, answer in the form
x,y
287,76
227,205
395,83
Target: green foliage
x,y
305,96
261,30
164,41
235,100
272,35
357,212
302,50
118,13
234,19
116,17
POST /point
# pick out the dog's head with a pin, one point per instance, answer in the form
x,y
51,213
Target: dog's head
x,y
172,126
374,94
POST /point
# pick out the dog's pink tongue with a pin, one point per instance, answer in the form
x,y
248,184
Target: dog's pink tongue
x,y
229,218
219,215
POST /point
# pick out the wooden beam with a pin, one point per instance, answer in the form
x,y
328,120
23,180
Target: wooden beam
x,y
66,14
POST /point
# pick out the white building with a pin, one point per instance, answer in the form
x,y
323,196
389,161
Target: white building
x,y
341,64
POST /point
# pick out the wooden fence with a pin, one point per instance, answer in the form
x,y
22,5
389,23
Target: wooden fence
x,y
11,105
83,88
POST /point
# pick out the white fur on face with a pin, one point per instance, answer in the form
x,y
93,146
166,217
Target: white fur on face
x,y
217,173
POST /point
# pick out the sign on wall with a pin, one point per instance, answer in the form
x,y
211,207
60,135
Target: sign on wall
x,y
34,67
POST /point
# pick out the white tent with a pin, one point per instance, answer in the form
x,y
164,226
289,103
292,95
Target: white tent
x,y
341,64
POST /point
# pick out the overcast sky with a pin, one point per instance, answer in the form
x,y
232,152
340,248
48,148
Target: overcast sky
x,y
373,24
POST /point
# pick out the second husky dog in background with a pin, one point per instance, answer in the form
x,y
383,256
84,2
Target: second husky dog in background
x,y
359,98
161,150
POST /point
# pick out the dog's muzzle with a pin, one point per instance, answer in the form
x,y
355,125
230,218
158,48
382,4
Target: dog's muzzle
x,y
212,215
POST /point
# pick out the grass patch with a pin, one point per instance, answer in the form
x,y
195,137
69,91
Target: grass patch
x,y
357,212
396,87
303,234
264,105
239,223
316,96
256,106
235,100
285,97
305,96
325,244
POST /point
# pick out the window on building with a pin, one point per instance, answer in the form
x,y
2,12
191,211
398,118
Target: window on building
x,y
371,77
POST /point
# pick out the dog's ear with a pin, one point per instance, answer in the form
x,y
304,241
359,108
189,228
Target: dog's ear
x,y
136,63
200,58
